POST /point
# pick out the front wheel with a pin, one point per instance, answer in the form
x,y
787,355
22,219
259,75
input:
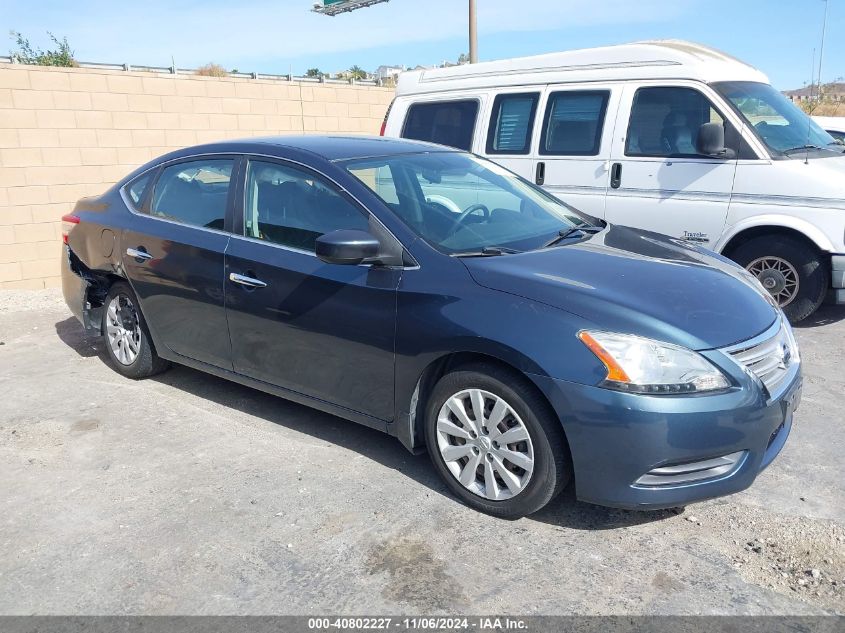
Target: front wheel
x,y
495,442
791,270
126,336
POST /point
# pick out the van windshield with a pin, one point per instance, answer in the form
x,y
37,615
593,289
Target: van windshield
x,y
779,123
464,205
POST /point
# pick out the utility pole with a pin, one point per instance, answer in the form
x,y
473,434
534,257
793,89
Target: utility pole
x,y
821,50
473,35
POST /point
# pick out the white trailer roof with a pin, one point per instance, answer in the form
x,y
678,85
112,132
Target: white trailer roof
x,y
659,59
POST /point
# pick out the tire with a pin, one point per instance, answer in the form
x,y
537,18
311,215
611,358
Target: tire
x,y
134,356
528,413
801,261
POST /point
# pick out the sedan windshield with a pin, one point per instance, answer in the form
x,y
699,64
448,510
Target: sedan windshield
x,y
781,125
461,204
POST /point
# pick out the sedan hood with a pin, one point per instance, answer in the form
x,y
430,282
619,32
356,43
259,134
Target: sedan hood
x,y
632,281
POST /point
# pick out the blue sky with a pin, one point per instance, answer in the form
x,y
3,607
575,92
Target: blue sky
x,y
276,36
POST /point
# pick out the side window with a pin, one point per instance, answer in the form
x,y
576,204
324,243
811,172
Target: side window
x,y
292,207
665,122
135,190
573,123
194,192
511,123
447,123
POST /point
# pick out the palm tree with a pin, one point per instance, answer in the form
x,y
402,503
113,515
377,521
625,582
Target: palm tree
x,y
356,72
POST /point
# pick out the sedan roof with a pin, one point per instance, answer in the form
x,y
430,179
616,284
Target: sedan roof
x,y
341,147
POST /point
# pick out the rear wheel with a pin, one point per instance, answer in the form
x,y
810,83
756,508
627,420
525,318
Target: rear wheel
x,y
126,336
494,441
791,270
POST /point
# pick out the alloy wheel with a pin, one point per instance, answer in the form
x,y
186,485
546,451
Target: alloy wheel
x,y
123,329
484,444
778,276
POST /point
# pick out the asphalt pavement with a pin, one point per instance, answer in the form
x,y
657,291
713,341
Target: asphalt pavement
x,y
188,494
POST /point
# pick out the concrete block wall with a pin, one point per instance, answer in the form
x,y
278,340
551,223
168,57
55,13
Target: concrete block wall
x,y
66,133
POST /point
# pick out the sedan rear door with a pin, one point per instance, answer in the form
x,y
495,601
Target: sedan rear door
x,y
173,254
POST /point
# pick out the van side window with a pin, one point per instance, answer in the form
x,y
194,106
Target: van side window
x,y
511,123
573,123
665,122
449,123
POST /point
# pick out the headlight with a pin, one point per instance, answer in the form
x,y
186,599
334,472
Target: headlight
x,y
641,365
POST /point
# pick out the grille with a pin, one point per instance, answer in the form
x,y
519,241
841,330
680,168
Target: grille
x,y
769,360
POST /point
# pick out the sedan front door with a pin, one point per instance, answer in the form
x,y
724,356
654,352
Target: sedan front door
x,y
321,330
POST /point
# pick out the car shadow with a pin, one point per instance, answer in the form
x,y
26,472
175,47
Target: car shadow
x,y
70,332
565,511
825,315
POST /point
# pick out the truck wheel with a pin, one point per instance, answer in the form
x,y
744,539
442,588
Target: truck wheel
x,y
791,270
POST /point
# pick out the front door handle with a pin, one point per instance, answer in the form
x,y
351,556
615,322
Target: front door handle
x,y
616,176
139,254
248,282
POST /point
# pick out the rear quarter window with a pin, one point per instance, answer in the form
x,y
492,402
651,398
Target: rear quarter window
x,y
449,123
136,189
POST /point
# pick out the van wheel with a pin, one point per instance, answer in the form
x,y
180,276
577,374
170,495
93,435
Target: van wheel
x,y
126,336
494,441
791,270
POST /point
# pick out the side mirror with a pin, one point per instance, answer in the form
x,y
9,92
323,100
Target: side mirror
x,y
711,141
347,246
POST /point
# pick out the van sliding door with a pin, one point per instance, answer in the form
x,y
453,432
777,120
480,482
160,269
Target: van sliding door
x,y
573,144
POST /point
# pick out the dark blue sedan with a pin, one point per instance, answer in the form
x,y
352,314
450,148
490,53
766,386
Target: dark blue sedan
x,y
438,297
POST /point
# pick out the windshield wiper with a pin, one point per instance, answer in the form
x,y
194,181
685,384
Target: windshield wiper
x,y
803,148
564,233
488,251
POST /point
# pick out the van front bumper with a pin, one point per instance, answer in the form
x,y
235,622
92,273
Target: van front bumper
x,y
649,452
837,279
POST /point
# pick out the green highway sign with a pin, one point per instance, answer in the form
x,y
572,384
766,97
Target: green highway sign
x,y
333,7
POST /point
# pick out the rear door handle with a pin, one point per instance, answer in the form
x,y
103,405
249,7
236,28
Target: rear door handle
x,y
137,253
540,176
616,176
248,282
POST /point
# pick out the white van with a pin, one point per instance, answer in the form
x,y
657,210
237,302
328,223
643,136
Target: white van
x,y
833,125
667,136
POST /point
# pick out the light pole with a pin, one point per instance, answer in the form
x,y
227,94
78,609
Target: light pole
x,y
473,35
821,50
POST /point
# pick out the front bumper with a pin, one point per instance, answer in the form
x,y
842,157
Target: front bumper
x,y
616,439
837,279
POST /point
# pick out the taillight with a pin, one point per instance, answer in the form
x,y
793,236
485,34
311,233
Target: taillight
x,y
386,114
68,222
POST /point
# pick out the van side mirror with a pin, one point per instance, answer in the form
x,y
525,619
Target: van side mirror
x,y
711,141
347,246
